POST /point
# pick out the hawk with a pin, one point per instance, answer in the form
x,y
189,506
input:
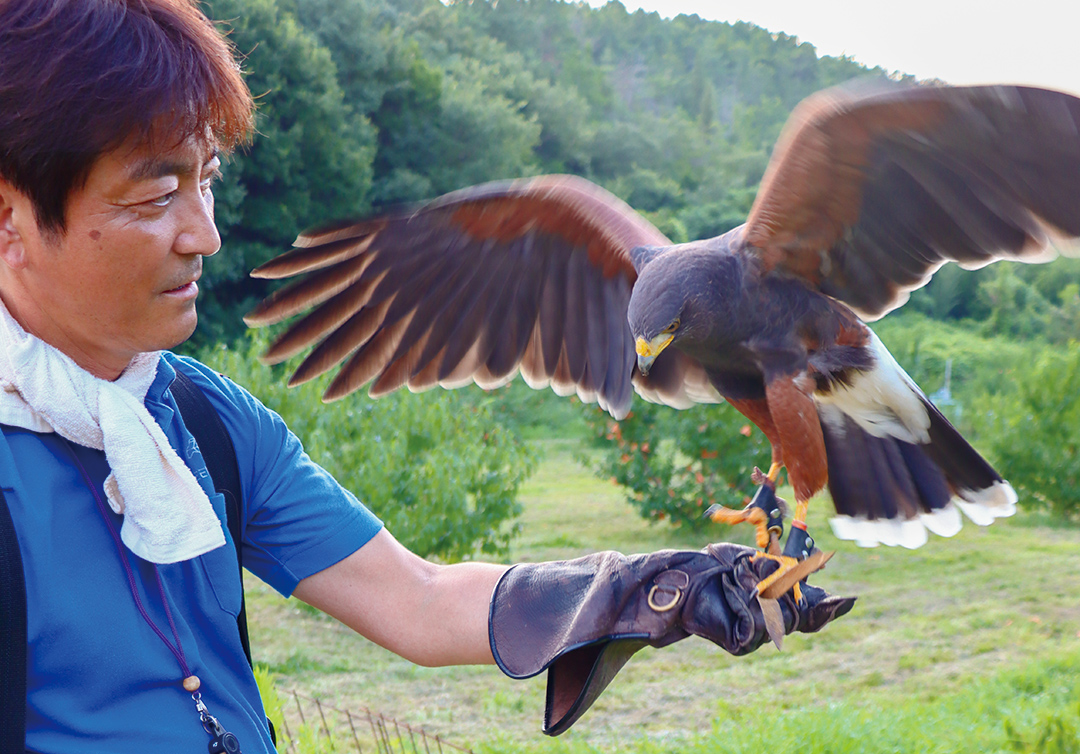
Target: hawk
x,y
868,192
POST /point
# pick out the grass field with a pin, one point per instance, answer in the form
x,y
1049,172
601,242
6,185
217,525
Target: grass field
x,y
970,644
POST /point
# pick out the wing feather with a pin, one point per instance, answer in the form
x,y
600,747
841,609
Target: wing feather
x,y
532,362
596,330
311,291
368,361
575,340
621,354
553,315
474,317
508,350
331,315
306,258
869,192
355,332
402,369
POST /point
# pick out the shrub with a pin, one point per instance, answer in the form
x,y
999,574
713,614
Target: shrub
x,y
675,464
438,469
1032,432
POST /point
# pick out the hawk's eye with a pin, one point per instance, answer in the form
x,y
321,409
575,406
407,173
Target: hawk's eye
x,y
671,328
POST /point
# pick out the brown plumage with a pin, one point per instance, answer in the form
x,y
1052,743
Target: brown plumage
x,y
867,194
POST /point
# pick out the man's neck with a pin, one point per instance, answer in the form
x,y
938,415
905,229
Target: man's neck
x,y
35,321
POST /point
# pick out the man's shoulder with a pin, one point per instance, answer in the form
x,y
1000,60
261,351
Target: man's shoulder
x,y
208,379
235,404
247,418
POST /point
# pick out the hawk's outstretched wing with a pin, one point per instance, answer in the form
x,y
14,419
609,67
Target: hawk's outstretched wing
x,y
532,275
868,193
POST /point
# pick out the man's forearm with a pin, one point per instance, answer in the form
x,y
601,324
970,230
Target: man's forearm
x,y
429,614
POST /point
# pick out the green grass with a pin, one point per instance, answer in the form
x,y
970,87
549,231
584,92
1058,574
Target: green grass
x,y
948,647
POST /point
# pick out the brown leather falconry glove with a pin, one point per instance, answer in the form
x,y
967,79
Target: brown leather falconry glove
x,y
583,619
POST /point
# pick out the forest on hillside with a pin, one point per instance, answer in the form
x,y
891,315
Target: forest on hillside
x,y
365,104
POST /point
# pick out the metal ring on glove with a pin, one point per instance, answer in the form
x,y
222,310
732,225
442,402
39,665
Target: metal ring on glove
x,y
668,606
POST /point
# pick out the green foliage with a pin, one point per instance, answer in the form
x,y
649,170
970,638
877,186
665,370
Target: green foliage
x,y
436,468
310,160
1016,308
267,683
534,413
981,364
1008,298
301,738
675,464
1056,735
1033,430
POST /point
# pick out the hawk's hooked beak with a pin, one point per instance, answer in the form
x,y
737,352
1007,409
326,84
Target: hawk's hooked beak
x,y
648,350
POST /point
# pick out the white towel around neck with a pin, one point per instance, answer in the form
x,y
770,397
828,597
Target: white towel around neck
x,y
167,515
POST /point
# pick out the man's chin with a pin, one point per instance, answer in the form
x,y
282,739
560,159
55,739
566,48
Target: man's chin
x,y
177,333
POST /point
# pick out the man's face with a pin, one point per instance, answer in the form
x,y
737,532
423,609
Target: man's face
x,y
121,278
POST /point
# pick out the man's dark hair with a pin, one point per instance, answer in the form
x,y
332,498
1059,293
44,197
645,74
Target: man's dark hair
x,y
79,78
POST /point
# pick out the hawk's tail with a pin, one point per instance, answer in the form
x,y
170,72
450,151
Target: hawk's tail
x,y
891,490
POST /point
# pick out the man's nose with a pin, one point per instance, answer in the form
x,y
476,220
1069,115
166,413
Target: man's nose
x,y
199,234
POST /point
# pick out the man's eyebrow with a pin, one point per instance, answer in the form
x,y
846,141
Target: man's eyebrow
x,y
156,167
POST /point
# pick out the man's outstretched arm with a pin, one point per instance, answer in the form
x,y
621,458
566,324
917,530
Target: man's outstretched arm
x,y
581,620
429,614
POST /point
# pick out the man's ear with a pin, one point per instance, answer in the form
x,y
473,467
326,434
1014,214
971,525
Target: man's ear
x,y
13,208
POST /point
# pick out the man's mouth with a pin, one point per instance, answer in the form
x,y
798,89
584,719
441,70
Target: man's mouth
x,y
188,288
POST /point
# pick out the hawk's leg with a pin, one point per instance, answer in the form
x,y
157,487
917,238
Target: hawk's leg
x,y
765,512
800,559
799,544
774,472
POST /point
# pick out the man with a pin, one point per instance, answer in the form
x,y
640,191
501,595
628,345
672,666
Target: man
x,y
112,118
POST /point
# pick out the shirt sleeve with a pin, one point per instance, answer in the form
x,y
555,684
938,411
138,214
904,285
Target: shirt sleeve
x,y
298,519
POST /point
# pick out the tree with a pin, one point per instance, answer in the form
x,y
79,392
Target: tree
x,y
309,161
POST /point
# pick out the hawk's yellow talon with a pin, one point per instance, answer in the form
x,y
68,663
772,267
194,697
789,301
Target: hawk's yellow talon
x,y
789,574
722,515
786,564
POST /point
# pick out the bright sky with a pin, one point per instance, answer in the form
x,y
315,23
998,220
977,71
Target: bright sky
x,y
961,42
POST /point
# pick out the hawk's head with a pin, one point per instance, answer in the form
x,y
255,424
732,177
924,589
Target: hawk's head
x,y
676,298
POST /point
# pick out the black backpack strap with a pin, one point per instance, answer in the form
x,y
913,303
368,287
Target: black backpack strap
x,y
215,444
205,425
13,645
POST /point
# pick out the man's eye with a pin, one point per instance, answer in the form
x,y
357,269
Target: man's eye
x,y
208,181
163,201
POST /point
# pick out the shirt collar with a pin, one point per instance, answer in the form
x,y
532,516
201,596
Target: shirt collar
x,y
166,373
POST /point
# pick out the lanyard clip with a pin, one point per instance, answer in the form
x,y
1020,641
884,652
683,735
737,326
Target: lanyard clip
x,y
221,740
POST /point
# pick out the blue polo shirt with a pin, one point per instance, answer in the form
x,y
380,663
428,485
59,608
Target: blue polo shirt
x,y
99,679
